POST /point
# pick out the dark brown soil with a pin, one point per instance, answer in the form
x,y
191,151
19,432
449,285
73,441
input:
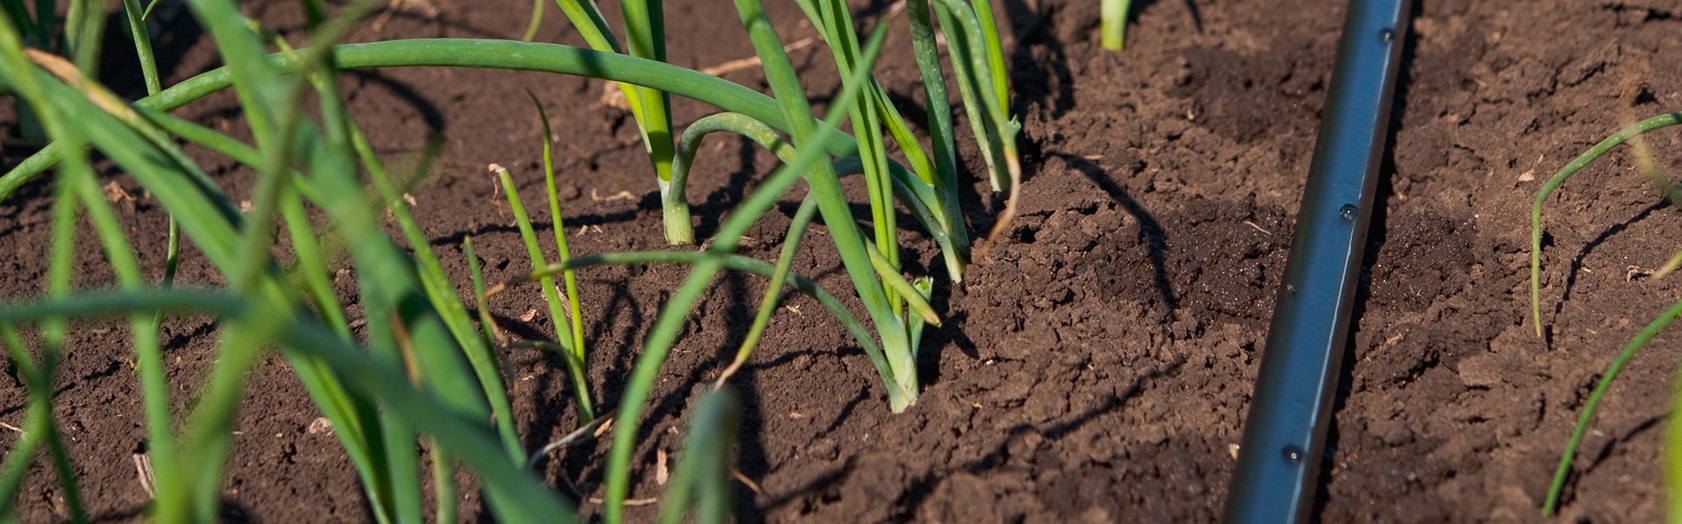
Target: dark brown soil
x,y
1095,365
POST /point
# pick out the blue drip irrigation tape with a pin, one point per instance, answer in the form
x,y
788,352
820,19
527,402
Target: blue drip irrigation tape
x,y
1285,433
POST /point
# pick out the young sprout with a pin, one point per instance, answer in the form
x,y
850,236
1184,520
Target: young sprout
x,y
1649,168
1650,124
1669,266
573,349
1563,469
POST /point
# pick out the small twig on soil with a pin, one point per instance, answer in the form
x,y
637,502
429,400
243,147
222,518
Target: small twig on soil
x,y
571,438
422,7
622,195
630,502
753,61
143,467
747,481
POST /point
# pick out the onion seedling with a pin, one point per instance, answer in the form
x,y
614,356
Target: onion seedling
x,y
1113,23
978,60
1619,137
1563,469
572,348
412,335
1633,131
645,36
425,370
515,56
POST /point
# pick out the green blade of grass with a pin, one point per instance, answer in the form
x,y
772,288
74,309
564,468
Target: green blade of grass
x,y
39,426
53,334
148,359
441,294
144,162
498,54
734,262
37,420
84,32
1670,265
982,77
77,182
260,89
587,18
357,423
536,21
1000,78
939,177
261,92
38,429
893,280
767,138
444,480
1672,461
650,107
645,37
690,144
385,293
834,20
915,157
963,67
352,417
173,494
142,46
149,74
99,98
906,188
488,366
436,363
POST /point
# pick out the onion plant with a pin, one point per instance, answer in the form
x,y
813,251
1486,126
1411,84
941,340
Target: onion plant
x,y
645,37
977,58
412,377
567,317
515,55
976,36
421,371
1553,183
1674,194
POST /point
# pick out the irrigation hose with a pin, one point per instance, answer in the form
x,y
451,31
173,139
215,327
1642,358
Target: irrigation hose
x,y
1285,432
